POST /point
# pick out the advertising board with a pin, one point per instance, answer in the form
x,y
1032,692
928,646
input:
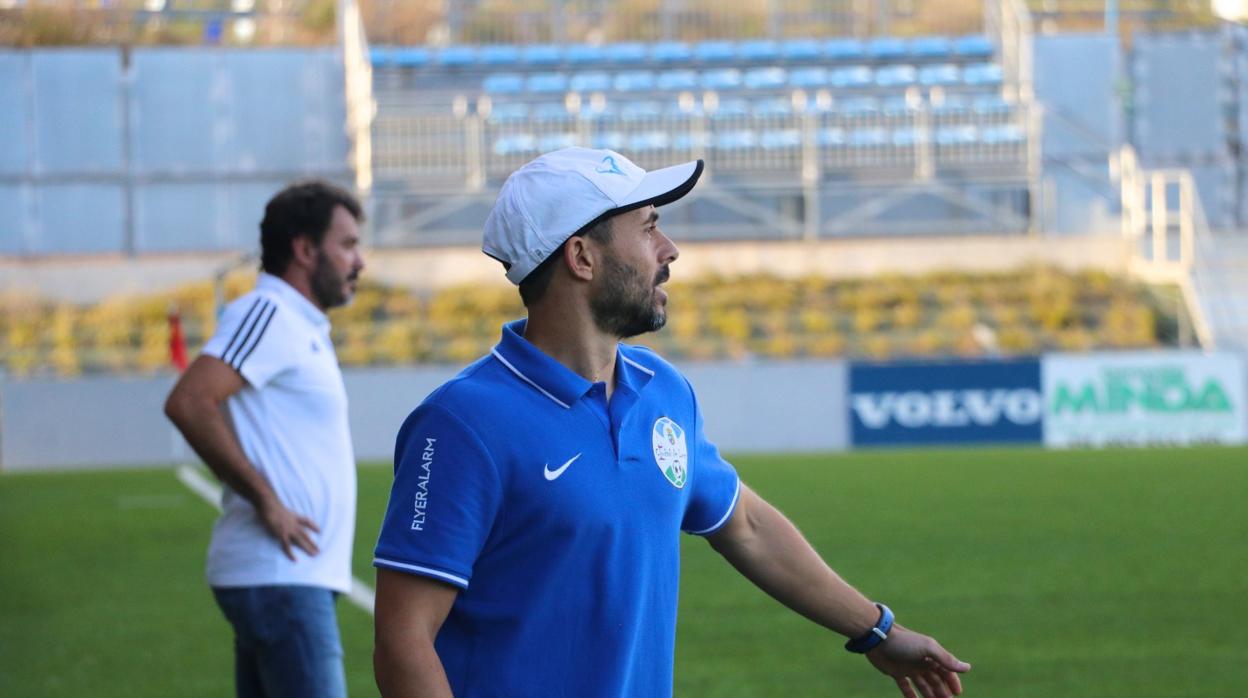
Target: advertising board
x,y
945,402
1144,398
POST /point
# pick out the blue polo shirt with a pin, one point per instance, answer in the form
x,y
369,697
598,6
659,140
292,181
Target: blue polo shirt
x,y
557,515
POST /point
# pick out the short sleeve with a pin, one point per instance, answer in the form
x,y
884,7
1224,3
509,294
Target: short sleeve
x,y
714,481
443,502
249,339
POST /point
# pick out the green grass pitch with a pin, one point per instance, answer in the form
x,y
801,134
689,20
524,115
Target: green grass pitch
x,y
1081,573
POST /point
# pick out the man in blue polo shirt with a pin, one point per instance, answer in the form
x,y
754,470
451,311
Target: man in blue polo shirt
x,y
531,543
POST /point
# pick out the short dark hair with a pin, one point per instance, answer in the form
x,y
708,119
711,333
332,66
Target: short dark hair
x,y
304,208
533,287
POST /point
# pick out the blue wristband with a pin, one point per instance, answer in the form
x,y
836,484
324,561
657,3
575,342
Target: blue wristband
x,y
874,636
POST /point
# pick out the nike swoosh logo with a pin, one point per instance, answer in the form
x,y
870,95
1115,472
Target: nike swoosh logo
x,y
553,474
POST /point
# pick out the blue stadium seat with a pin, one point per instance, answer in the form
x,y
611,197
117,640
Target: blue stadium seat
x,y
721,79
982,74
895,105
612,140
547,82
580,54
634,81
457,56
542,54
551,111
940,74
857,106
509,112
607,111
626,53
758,50
639,111
498,54
676,80
887,48
765,78
906,137
379,56
844,50
852,76
515,144
556,141
731,108
408,57
687,140
780,139
503,83
868,137
831,137
1002,135
714,51
931,47
952,103
990,104
595,81
973,46
957,135
807,78
773,106
801,50
649,140
895,76
671,52
736,140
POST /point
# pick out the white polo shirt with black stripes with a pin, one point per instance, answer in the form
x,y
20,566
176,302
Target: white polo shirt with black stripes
x,y
291,419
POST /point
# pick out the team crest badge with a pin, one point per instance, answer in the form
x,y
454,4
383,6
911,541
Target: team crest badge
x,y
670,452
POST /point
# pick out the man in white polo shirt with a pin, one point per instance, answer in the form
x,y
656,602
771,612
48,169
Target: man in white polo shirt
x,y
281,549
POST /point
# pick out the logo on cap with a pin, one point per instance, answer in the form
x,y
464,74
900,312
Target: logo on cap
x,y
608,166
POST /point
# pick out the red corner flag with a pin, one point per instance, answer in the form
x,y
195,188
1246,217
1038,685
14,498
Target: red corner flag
x,y
177,343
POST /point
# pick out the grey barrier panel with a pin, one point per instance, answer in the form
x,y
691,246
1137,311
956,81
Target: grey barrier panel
x,y
381,398
99,422
85,423
14,149
179,111
773,406
287,110
1076,77
78,110
13,224
79,218
1178,84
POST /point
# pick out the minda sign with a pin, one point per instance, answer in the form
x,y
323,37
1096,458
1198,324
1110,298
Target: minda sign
x,y
1149,398
945,402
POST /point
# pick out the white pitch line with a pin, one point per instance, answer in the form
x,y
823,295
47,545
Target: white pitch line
x,y
361,594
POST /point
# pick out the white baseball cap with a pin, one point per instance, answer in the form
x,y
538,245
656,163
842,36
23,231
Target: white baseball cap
x,y
548,200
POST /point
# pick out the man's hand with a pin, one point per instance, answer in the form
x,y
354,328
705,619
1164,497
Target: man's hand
x,y
919,665
290,529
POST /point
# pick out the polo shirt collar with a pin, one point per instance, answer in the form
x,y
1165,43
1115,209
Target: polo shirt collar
x,y
556,381
289,294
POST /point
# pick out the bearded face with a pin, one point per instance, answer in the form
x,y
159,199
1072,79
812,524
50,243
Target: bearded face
x,y
627,303
330,287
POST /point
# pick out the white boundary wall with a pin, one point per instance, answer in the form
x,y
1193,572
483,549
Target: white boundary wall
x,y
103,422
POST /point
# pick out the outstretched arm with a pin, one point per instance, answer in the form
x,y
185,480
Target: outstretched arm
x,y
765,547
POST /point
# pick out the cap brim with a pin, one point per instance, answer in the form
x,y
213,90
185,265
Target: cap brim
x,y
663,186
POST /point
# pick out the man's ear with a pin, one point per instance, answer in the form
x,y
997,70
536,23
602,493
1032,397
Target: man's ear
x,y
303,251
580,257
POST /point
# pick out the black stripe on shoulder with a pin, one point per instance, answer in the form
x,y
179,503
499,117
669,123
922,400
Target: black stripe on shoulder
x,y
259,335
251,329
241,327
